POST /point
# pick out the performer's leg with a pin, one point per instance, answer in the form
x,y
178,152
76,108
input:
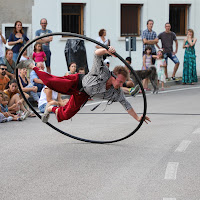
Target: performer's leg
x,y
71,108
59,84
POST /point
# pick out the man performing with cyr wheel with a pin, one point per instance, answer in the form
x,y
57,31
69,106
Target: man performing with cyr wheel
x,y
98,81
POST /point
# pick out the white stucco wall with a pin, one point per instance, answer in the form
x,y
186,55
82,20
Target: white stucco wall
x,y
106,14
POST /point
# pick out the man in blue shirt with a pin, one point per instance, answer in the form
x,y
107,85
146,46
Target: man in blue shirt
x,y
35,79
45,42
149,38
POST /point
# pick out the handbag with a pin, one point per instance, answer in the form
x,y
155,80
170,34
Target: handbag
x,y
8,46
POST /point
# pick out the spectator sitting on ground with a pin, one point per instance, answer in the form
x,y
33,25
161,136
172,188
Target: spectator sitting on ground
x,y
24,55
16,102
72,69
10,63
81,70
35,79
107,62
38,54
51,97
5,111
27,86
3,118
3,77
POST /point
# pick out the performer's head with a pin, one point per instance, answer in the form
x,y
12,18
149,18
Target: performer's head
x,y
122,74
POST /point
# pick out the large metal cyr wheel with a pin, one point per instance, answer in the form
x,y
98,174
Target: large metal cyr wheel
x,y
106,47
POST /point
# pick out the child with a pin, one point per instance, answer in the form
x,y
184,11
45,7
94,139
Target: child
x,y
72,69
160,66
4,110
24,55
38,54
147,61
81,70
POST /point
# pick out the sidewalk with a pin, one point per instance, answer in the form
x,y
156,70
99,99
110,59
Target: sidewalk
x,y
172,82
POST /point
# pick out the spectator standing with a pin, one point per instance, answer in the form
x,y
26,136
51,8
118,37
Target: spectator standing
x,y
3,77
147,61
45,42
189,64
103,40
160,66
167,37
38,54
35,79
17,39
2,41
10,63
149,38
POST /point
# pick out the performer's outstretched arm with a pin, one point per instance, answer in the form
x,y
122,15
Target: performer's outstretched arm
x,y
134,115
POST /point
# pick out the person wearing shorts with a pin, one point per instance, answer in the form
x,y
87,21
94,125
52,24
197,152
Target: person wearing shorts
x,y
167,37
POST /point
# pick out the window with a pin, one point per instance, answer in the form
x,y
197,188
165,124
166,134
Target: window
x,y
72,18
178,18
130,19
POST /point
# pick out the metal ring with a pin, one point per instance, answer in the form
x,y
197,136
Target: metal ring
x,y
104,46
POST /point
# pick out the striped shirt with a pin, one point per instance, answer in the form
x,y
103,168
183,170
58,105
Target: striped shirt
x,y
149,35
94,83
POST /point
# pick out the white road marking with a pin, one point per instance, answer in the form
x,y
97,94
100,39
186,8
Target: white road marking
x,y
160,92
171,170
183,146
169,198
180,89
197,131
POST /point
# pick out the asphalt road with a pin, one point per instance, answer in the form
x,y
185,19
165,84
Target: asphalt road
x,y
160,161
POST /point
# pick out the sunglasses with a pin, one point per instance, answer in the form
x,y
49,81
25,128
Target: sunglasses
x,y
3,68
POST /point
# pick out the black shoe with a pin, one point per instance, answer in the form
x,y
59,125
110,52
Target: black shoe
x,y
24,64
173,78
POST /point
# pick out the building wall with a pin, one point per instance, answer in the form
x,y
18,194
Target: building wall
x,y
106,14
12,11
16,10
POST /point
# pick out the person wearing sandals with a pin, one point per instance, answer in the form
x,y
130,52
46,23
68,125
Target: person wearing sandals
x,y
99,81
189,64
16,103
